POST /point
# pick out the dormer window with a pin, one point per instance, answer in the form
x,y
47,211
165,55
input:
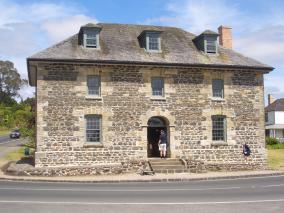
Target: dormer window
x,y
210,45
151,41
89,36
207,42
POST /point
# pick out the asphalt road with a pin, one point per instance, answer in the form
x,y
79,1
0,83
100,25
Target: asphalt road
x,y
239,195
4,138
8,145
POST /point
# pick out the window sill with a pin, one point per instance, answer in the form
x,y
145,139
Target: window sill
x,y
219,143
158,98
217,99
91,97
93,145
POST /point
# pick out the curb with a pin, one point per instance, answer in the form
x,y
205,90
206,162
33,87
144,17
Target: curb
x,y
9,178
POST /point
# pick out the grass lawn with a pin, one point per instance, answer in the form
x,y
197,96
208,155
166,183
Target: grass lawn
x,y
15,155
276,158
4,132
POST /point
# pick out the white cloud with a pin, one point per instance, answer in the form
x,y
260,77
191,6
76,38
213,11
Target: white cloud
x,y
59,29
27,28
262,39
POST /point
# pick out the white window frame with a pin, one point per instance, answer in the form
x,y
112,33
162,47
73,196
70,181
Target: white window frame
x,y
95,33
224,128
153,35
99,87
220,89
152,86
99,117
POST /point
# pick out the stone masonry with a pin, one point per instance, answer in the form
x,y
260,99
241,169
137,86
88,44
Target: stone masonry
x,y
126,105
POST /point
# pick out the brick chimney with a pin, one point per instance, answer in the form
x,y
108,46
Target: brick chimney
x,y
225,36
271,99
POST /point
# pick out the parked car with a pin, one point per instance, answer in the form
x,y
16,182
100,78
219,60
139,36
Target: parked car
x,y
15,134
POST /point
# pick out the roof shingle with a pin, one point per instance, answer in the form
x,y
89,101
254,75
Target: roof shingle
x,y
119,43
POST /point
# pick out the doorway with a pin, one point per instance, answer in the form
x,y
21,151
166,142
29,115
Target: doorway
x,y
155,125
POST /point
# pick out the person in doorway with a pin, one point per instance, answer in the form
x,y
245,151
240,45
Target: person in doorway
x,y
163,144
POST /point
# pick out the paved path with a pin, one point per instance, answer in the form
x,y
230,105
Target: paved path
x,y
8,145
264,194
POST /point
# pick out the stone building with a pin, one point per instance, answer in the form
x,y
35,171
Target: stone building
x,y
104,94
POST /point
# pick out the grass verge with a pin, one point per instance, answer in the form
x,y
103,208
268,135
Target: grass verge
x,y
276,158
4,132
15,155
276,146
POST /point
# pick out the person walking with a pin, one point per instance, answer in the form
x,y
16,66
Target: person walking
x,y
163,144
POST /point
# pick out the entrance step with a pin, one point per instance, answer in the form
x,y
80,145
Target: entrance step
x,y
167,166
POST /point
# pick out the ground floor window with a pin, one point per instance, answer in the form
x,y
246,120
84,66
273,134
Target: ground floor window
x,y
219,128
93,128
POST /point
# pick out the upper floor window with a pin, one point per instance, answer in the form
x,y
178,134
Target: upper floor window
x,y
91,38
218,88
157,86
94,85
219,128
266,117
150,41
93,128
210,45
153,42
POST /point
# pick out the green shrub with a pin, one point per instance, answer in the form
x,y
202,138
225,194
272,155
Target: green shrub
x,y
271,141
276,146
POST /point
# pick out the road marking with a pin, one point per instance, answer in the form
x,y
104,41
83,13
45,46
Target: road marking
x,y
137,190
129,203
116,190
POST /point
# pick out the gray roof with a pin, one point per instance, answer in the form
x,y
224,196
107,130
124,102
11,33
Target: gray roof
x,y
119,43
277,105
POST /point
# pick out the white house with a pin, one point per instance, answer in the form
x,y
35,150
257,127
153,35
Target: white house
x,y
274,118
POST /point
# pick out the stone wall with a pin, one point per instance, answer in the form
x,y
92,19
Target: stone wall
x,y
126,105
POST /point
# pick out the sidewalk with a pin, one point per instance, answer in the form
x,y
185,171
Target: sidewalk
x,y
146,178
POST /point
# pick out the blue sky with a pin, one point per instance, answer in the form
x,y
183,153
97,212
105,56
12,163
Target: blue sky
x,y
28,26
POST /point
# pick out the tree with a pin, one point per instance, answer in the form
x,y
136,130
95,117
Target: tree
x,y
10,81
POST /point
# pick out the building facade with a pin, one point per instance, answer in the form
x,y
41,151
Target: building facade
x,y
274,118
104,94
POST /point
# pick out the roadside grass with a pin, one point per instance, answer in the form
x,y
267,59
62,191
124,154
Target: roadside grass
x,y
276,158
15,155
276,146
4,132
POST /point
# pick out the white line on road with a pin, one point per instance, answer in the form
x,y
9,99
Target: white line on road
x,y
116,190
106,203
136,190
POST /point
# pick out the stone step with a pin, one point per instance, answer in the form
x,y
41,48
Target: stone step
x,y
171,171
167,166
159,167
164,162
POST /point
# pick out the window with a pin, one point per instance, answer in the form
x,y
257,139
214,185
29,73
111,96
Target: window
x,y
157,86
91,38
266,117
218,88
93,128
210,45
154,42
218,128
94,85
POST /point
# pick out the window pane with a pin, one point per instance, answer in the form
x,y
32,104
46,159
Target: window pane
x,y
153,42
93,128
218,88
210,46
94,85
218,128
90,38
157,87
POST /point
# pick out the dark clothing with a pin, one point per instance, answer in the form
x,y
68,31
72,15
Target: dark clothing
x,y
163,138
246,150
